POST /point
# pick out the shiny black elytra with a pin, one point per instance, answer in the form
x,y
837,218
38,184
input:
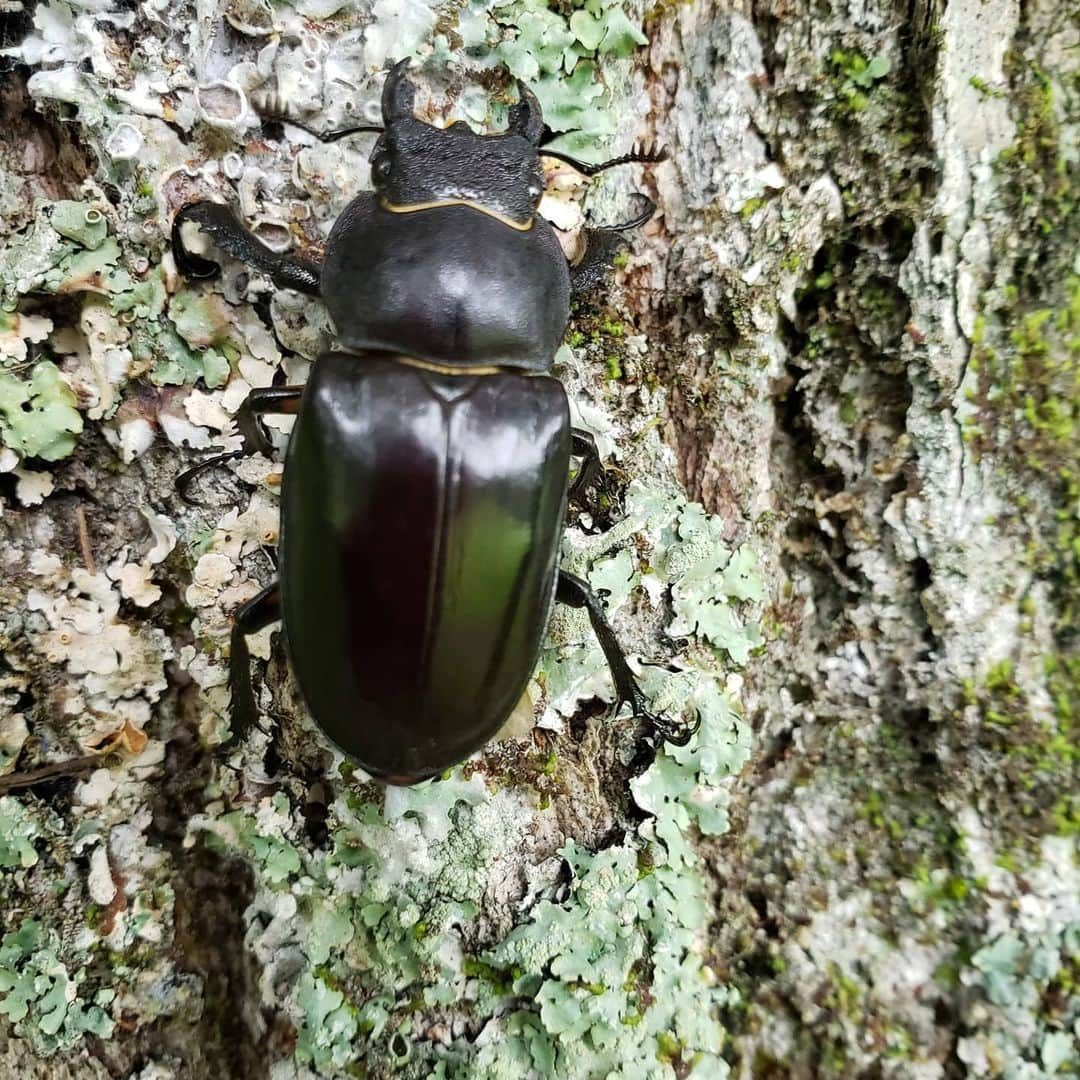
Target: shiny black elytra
x,y
426,478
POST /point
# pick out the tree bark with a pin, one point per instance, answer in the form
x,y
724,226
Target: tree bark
x,y
835,387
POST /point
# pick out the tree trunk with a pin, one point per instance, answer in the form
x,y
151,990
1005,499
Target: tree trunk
x,y
834,383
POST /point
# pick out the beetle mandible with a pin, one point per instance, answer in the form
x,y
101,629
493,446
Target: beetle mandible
x,y
426,477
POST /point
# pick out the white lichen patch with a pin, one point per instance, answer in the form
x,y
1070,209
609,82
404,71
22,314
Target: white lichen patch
x,y
102,361
241,532
16,330
121,669
33,487
135,583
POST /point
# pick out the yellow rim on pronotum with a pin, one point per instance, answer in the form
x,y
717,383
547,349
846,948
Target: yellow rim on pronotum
x,y
414,208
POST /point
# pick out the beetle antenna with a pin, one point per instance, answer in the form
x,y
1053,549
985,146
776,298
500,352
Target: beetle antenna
x,y
640,152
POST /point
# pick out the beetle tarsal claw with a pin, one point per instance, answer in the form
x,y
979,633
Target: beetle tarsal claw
x,y
660,729
673,732
644,209
185,479
188,262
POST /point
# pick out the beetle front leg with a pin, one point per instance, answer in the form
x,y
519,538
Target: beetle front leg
x,y
283,400
220,224
576,593
259,612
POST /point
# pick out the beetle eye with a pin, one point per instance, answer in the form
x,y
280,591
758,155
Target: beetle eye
x,y
381,167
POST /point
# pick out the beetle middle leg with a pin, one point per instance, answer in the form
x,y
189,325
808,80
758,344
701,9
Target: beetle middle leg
x,y
264,400
576,593
583,445
259,612
222,226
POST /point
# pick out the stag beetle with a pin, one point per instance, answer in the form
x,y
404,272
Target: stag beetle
x,y
426,477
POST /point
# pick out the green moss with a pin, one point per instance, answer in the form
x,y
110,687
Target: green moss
x,y
846,995
853,74
1039,177
984,89
1038,749
1025,411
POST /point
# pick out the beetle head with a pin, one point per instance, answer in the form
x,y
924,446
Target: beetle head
x,y
414,162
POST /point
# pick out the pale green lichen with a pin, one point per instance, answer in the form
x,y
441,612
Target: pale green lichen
x,y
40,995
88,271
38,417
18,830
709,583
260,839
81,222
1028,975
615,970
559,55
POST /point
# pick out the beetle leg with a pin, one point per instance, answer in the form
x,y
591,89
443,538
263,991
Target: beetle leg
x,y
220,224
602,244
576,593
583,445
282,400
260,611
262,400
327,136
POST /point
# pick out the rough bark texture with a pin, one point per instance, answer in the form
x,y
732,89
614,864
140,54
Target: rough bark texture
x,y
851,334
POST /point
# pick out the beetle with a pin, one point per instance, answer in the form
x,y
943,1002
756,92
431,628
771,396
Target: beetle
x,y
426,477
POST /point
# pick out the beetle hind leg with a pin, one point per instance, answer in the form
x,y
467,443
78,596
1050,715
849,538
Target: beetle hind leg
x,y
220,224
259,612
576,593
